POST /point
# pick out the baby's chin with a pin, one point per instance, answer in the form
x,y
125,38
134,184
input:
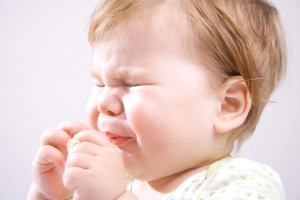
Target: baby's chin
x,y
142,174
135,172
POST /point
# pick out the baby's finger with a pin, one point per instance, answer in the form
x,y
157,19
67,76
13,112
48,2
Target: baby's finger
x,y
80,160
73,176
72,127
93,136
48,157
85,147
56,138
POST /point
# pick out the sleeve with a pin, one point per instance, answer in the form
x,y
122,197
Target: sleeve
x,y
236,181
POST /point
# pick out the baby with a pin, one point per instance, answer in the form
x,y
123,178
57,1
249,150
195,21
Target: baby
x,y
176,84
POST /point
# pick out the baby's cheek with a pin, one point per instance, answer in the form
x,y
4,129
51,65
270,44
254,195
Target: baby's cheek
x,y
141,117
150,125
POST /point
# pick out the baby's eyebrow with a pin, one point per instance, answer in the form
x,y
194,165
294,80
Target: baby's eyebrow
x,y
120,73
95,74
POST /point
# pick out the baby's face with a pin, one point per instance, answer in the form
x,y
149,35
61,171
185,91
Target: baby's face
x,y
154,102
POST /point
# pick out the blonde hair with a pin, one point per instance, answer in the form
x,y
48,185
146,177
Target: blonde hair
x,y
239,37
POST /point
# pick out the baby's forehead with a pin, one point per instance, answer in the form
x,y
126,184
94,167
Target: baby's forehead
x,y
144,41
160,30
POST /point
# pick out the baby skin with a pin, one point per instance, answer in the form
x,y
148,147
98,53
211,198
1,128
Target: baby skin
x,y
155,112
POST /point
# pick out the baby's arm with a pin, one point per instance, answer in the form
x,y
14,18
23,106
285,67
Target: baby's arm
x,y
127,196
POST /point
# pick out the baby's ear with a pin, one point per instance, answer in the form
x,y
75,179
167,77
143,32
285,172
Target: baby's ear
x,y
235,104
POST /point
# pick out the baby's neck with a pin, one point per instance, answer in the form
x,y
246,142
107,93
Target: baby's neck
x,y
164,185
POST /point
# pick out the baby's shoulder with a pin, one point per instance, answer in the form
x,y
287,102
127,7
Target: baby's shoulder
x,y
247,167
236,178
246,171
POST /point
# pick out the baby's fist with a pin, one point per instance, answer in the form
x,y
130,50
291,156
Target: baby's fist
x,y
94,168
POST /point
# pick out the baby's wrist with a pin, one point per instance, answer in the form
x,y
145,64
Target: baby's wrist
x,y
127,196
34,194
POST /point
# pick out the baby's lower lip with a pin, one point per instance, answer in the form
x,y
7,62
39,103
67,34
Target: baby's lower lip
x,y
118,140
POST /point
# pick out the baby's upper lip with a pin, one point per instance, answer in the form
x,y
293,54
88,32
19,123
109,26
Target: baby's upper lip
x,y
115,128
113,135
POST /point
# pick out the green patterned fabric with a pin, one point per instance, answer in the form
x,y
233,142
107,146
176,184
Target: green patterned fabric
x,y
230,178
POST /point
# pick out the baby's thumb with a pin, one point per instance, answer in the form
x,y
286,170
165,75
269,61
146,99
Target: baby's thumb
x,y
72,127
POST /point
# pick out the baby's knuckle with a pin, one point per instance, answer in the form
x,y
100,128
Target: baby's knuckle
x,y
80,147
87,134
83,134
75,158
73,178
109,156
44,151
113,153
47,133
68,178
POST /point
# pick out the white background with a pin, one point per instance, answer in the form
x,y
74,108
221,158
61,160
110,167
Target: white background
x,y
45,60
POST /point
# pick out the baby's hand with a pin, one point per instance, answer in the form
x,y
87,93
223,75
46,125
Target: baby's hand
x,y
48,166
94,168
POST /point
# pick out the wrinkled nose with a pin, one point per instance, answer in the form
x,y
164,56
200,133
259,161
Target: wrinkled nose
x,y
109,103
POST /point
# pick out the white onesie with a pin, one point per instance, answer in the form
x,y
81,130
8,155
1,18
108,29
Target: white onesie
x,y
229,179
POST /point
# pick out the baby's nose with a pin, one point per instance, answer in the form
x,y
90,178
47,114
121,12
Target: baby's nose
x,y
109,103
